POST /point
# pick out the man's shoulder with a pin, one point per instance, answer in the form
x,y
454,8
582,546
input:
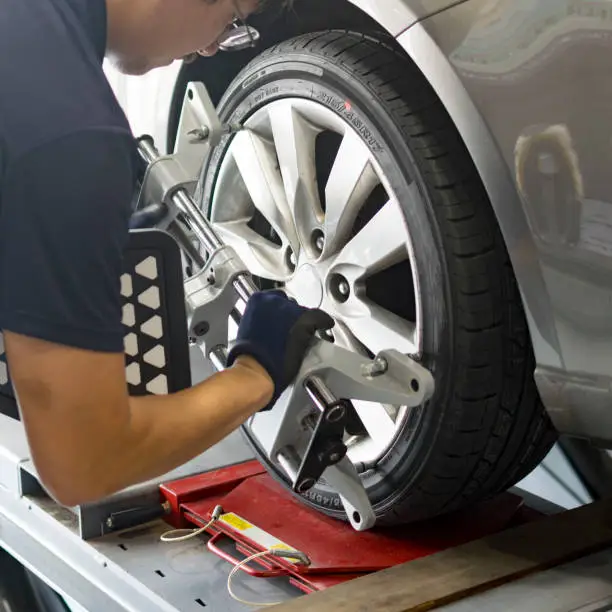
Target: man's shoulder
x,y
51,73
65,216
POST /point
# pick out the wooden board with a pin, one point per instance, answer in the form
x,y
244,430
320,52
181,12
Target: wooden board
x,y
456,573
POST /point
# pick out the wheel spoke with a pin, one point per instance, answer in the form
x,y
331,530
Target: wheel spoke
x,y
344,337
376,420
295,139
258,168
379,245
377,328
351,181
260,256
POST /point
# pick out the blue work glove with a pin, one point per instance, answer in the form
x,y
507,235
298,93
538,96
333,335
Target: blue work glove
x,y
277,333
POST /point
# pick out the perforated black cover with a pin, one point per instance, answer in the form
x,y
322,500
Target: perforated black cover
x,y
153,302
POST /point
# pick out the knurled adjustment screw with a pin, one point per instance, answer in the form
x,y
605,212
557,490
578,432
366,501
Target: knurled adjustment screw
x,y
199,134
378,367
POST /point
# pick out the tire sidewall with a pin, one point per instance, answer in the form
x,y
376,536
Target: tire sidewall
x,y
269,78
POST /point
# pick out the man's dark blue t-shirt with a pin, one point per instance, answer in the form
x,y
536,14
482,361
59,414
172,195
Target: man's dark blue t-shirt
x,y
68,169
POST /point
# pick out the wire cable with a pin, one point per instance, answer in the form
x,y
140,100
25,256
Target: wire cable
x,y
181,535
236,569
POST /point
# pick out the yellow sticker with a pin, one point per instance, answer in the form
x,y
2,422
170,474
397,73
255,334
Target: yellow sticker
x,y
235,521
256,535
281,546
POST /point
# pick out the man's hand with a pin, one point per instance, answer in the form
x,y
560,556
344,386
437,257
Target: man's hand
x,y
277,332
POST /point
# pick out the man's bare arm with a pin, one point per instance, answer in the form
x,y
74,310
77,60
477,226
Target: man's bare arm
x,y
89,438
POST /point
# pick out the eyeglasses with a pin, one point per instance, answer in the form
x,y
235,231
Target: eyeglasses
x,y
239,35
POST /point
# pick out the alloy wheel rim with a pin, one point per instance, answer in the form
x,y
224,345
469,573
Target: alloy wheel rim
x,y
300,224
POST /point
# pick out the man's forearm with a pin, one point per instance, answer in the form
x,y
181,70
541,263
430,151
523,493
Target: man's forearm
x,y
198,418
89,439
165,432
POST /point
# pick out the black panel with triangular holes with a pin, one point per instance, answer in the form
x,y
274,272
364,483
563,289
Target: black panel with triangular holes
x,y
156,344
156,341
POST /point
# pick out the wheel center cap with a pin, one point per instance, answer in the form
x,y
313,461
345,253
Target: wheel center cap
x,y
307,287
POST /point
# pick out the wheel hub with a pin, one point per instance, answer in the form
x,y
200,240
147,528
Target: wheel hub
x,y
306,287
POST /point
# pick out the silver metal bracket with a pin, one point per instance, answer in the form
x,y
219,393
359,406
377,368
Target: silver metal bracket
x,y
284,433
199,121
199,130
211,296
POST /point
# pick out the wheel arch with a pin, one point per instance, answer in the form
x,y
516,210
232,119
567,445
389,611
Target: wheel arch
x,y
403,25
498,181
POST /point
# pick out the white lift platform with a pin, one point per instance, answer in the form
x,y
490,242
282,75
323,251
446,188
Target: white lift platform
x,y
133,570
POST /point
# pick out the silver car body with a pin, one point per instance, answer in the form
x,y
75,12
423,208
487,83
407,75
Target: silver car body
x,y
528,85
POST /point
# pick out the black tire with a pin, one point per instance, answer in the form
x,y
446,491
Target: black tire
x,y
485,427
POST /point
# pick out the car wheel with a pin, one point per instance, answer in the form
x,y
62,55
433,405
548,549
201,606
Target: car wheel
x,y
352,189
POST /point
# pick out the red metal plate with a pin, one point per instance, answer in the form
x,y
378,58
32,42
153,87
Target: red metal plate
x,y
205,486
334,546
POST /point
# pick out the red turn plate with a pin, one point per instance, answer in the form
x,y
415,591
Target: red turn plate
x,y
259,514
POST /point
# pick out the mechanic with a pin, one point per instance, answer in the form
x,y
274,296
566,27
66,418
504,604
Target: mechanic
x,y
68,172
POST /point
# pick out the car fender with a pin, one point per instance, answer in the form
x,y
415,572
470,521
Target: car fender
x,y
395,16
498,181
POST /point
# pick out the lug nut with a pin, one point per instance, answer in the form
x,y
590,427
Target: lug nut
x,y
318,240
343,288
339,288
